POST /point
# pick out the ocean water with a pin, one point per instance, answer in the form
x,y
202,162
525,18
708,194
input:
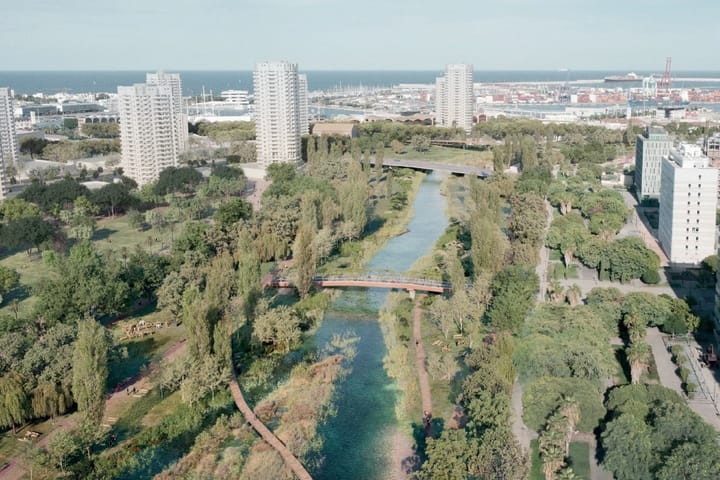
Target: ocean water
x,y
29,82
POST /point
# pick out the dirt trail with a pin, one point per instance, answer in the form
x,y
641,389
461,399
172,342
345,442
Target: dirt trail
x,y
420,357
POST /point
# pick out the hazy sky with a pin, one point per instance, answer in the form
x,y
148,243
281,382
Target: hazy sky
x,y
358,34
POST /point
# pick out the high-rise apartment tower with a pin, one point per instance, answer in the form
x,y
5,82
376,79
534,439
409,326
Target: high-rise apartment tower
x,y
688,205
281,112
454,100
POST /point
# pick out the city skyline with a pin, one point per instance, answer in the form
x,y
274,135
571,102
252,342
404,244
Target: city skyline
x,y
224,36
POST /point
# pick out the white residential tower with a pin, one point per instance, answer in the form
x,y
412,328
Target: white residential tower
x,y
281,114
174,83
688,205
149,135
8,137
454,101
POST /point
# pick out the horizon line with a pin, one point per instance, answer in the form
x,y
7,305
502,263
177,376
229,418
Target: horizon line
x,y
558,70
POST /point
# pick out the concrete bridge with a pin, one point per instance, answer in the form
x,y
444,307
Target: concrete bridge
x,y
435,166
412,285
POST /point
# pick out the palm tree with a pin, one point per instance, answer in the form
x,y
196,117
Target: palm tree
x,y
574,294
638,356
555,291
552,453
567,474
569,409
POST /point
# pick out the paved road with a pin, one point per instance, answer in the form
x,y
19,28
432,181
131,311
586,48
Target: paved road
x,y
435,166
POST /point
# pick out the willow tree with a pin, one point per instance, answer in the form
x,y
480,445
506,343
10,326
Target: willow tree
x,y
90,370
13,400
304,258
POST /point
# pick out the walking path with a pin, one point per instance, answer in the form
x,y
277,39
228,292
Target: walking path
x,y
668,378
541,269
420,358
522,433
290,459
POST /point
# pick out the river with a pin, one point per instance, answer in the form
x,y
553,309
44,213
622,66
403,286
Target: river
x,y
357,438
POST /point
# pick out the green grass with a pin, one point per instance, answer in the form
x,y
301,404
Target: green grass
x,y
456,156
555,255
141,351
572,271
579,460
110,234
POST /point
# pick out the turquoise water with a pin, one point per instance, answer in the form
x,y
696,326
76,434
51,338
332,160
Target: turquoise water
x,y
355,438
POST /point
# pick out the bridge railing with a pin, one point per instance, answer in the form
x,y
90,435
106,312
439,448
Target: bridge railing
x,y
374,278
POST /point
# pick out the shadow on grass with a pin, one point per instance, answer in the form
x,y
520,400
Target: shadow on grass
x,y
139,354
103,233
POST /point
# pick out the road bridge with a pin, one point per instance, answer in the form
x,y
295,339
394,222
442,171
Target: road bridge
x,y
390,282
435,166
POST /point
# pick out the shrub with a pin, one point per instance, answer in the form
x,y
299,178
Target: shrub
x,y
651,277
684,373
690,389
542,397
676,351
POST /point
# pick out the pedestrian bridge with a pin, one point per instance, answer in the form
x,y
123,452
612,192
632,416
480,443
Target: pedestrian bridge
x,y
391,282
427,166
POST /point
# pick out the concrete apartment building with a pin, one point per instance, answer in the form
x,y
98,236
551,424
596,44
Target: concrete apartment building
x,y
688,203
173,82
8,137
149,135
650,148
281,112
454,100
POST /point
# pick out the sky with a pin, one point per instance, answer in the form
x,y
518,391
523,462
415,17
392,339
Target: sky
x,y
359,34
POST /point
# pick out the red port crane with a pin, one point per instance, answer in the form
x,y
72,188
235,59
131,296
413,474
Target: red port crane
x,y
665,82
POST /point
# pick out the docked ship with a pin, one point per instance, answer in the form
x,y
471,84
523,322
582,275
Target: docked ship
x,y
630,77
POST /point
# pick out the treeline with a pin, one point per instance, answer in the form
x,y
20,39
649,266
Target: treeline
x,y
224,132
498,254
69,149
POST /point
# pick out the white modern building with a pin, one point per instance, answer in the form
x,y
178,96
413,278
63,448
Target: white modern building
x,y
8,137
650,148
280,112
236,97
688,204
173,82
149,135
454,102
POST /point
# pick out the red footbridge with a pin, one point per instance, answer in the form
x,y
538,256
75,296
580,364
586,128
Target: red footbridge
x,y
412,285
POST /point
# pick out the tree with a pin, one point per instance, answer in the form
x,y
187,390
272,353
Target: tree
x,y
8,280
567,234
177,180
379,156
447,457
639,357
420,143
33,146
397,147
499,456
199,319
278,326
15,208
113,197
61,448
90,370
305,260
13,400
628,442
513,289
232,211
26,232
543,395
691,461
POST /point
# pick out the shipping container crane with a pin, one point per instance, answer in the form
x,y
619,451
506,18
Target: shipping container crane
x,y
665,82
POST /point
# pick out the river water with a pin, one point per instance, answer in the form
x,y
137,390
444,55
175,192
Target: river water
x,y
357,438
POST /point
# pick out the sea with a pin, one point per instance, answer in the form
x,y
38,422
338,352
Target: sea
x,y
52,82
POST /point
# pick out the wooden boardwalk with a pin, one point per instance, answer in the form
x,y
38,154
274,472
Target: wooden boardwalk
x,y
290,459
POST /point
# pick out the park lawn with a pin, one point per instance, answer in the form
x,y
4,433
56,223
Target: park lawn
x,y
113,233
457,156
578,459
142,350
12,447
